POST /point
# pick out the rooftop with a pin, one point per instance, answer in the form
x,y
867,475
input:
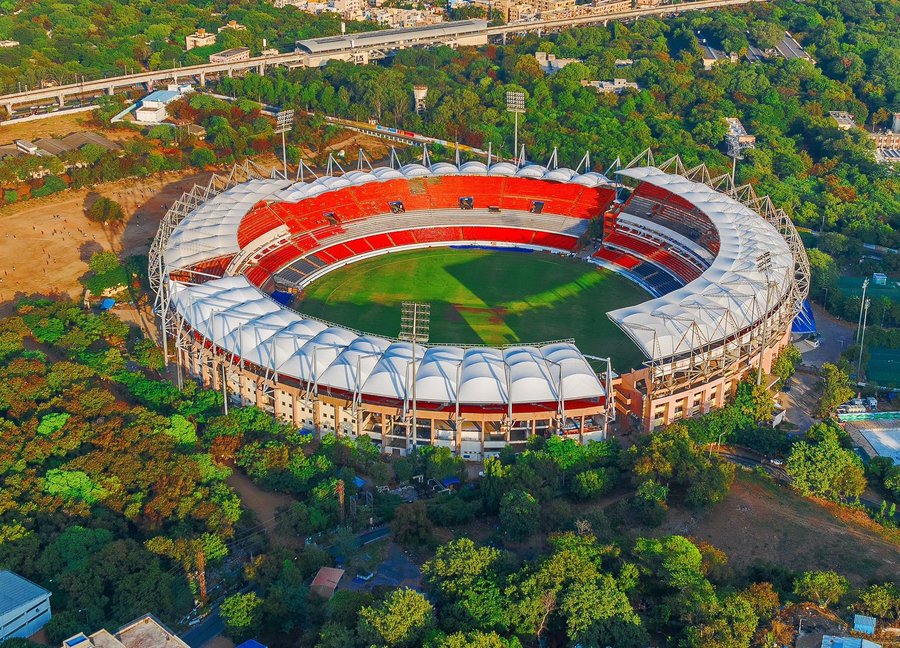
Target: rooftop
x,y
16,591
144,632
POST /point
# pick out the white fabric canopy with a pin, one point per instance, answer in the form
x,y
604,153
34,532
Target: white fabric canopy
x,y
240,319
730,295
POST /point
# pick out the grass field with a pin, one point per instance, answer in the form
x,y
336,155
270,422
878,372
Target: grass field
x,y
853,286
884,366
483,296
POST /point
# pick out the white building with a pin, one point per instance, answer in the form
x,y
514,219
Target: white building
x,y
550,63
844,119
200,38
152,108
24,606
616,86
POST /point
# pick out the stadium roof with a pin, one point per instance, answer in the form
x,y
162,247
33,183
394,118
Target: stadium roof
x,y
210,231
730,295
246,322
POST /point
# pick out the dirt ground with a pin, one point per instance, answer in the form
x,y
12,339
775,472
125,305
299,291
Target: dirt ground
x,y
58,126
764,522
262,502
46,242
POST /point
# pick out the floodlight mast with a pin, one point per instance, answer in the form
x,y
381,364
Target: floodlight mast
x,y
764,265
515,103
284,121
414,327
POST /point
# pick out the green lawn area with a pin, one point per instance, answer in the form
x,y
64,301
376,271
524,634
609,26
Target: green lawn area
x,y
853,286
483,296
884,366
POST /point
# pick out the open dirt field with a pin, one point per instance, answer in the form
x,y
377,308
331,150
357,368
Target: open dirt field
x,y
58,126
45,243
764,522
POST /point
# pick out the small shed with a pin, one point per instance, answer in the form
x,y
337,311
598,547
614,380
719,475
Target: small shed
x,y
251,643
326,581
879,279
864,624
107,304
450,482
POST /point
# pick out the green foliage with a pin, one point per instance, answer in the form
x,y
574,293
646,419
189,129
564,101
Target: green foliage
x,y
822,587
411,525
202,157
241,615
182,430
590,484
786,363
821,466
881,600
519,514
103,262
105,210
52,422
836,389
401,620
73,485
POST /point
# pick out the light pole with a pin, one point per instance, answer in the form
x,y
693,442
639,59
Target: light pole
x,y
764,265
862,301
515,103
414,326
284,121
862,340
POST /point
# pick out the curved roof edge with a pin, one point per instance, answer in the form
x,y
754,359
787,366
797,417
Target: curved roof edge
x,y
210,230
242,320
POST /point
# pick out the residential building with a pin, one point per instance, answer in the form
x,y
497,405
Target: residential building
x,y
603,7
231,55
553,6
144,632
9,43
326,581
550,64
24,606
200,38
72,142
844,119
713,56
616,86
847,642
620,63
790,49
232,24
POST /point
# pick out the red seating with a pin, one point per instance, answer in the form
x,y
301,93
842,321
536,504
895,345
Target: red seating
x,y
379,241
402,238
280,257
259,220
656,253
359,246
558,241
437,234
257,276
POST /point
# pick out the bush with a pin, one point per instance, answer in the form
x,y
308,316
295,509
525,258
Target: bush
x,y
103,262
51,185
202,157
105,210
591,484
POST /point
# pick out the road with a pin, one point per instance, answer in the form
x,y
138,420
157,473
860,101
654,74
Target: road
x,y
110,85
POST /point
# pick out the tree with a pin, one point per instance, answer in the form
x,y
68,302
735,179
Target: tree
x,y
240,613
786,363
823,587
881,600
824,468
401,620
105,210
411,525
103,262
835,389
763,598
202,157
519,514
591,484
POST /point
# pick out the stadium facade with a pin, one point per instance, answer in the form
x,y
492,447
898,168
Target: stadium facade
x,y
724,270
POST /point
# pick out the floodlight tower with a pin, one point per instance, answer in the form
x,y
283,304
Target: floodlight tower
x,y
862,340
862,301
515,103
764,265
414,327
284,121
738,140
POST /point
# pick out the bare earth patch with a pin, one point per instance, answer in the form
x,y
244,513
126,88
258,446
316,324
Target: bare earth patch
x,y
763,522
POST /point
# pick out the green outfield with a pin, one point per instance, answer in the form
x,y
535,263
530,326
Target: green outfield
x,y
884,366
483,296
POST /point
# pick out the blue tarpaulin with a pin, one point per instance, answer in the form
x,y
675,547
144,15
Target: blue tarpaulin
x,y
447,482
804,323
107,304
359,482
251,643
283,298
